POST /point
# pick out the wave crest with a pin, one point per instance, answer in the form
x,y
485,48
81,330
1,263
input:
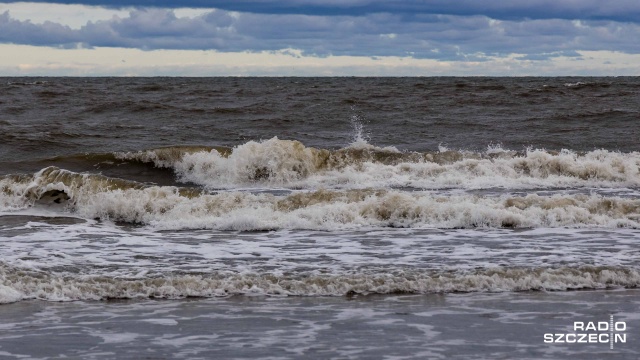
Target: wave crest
x,y
22,284
167,207
290,164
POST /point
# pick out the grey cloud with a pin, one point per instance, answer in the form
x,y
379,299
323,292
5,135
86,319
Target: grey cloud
x,y
382,34
24,32
547,56
618,10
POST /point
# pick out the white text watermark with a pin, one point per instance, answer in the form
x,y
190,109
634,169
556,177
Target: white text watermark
x,y
591,332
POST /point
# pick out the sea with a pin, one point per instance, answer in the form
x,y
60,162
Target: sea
x,y
320,218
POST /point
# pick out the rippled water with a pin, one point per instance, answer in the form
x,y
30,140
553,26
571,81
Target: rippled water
x,y
295,189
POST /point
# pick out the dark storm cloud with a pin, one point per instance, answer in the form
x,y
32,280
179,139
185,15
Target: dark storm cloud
x,y
619,10
444,37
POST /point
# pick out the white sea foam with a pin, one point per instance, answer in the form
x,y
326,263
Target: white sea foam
x,y
60,259
24,284
176,208
290,164
576,84
9,295
347,189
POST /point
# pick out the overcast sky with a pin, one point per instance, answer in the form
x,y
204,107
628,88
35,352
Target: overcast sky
x,y
320,37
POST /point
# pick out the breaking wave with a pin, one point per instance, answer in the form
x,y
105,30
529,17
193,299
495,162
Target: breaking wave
x,y
21,284
282,184
170,207
290,164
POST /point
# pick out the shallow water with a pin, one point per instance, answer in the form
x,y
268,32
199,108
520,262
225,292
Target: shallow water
x,y
437,326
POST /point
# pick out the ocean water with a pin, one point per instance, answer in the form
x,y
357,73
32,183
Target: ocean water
x,y
284,218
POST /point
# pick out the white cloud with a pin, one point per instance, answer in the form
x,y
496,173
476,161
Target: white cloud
x,y
38,61
73,16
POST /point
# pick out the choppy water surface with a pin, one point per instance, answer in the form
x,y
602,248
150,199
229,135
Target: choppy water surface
x,y
299,188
